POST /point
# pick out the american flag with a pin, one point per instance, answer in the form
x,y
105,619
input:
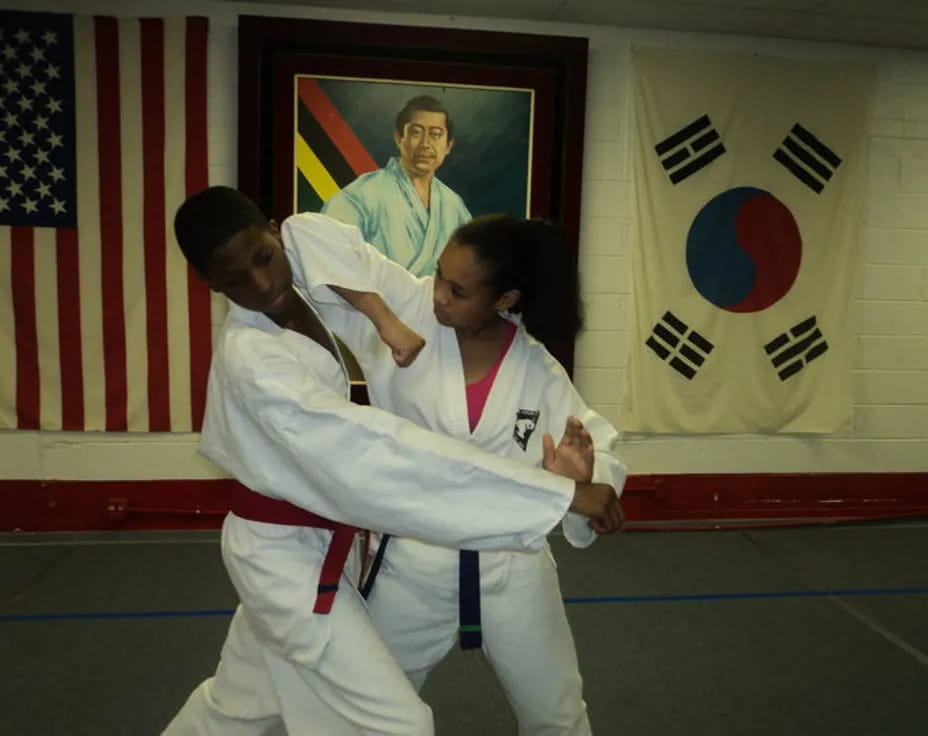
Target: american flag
x,y
102,136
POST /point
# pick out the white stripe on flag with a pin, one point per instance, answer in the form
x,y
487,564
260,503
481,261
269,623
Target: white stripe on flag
x,y
133,191
133,301
88,214
7,338
46,322
178,322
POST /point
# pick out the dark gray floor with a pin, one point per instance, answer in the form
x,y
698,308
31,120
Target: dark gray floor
x,y
815,630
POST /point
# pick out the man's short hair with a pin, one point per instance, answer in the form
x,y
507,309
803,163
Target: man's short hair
x,y
422,103
206,220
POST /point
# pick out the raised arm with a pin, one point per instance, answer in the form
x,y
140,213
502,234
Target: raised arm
x,y
403,341
331,261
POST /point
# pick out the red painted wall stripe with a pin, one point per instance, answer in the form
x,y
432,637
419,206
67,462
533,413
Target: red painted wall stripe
x,y
22,266
109,142
36,505
332,122
69,330
153,163
197,178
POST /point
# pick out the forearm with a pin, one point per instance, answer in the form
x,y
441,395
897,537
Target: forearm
x,y
329,253
368,303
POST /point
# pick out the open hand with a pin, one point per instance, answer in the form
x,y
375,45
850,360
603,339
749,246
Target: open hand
x,y
573,457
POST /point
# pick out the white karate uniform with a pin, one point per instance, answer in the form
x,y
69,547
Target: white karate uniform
x,y
278,419
414,601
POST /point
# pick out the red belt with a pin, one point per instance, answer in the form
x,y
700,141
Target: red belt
x,y
253,506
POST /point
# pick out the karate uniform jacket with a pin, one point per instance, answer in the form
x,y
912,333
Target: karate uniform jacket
x,y
278,419
531,395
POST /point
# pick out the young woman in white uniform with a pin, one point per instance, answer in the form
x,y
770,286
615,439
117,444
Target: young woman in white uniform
x,y
278,420
500,281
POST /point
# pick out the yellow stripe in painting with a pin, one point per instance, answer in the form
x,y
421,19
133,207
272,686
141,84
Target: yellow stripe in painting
x,y
316,174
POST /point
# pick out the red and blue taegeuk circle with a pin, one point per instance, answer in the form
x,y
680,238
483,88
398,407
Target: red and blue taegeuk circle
x,y
743,250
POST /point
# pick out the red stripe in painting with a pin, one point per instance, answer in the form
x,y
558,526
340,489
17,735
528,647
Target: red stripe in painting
x,y
334,125
22,269
197,175
69,330
159,400
111,233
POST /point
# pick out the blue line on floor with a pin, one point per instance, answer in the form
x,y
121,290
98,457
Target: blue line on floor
x,y
748,596
104,615
206,613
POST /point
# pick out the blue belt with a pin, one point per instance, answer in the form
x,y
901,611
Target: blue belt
x,y
470,635
375,567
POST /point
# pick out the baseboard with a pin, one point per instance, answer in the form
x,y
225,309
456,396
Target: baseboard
x,y
39,506
776,496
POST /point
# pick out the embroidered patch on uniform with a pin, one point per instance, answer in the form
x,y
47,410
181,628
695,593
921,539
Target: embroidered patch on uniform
x,y
526,421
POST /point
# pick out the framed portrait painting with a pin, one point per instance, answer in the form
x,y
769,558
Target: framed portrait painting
x,y
332,114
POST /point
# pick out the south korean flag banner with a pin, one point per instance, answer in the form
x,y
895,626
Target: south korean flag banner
x,y
749,174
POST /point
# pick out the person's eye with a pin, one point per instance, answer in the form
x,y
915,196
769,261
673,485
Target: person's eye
x,y
458,293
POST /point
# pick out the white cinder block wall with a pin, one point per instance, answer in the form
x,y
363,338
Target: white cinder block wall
x,y
890,309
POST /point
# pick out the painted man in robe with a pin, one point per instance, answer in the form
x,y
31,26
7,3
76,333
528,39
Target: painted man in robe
x,y
403,209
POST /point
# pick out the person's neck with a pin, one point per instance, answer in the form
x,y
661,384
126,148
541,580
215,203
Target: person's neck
x,y
494,330
422,183
296,310
300,318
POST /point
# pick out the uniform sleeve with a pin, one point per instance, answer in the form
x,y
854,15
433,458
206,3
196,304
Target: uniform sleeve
x,y
607,466
366,467
324,252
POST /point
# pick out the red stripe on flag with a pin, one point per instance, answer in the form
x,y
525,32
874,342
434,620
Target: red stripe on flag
x,y
111,233
69,330
22,270
197,178
334,125
156,304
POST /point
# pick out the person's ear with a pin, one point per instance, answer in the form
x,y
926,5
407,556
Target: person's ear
x,y
397,138
274,230
507,300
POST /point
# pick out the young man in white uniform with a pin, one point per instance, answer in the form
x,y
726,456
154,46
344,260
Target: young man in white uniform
x,y
415,599
310,463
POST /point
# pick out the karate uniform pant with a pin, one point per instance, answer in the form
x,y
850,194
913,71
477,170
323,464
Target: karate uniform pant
x,y
287,670
526,639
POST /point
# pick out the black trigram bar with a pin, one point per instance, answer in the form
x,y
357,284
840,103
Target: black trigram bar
x,y
685,350
807,158
793,350
690,149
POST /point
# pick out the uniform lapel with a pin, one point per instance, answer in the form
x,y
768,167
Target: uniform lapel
x,y
494,431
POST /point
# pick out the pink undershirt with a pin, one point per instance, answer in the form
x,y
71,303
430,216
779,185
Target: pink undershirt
x,y
477,392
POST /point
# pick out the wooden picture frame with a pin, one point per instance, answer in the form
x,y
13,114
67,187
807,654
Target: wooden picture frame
x,y
273,50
